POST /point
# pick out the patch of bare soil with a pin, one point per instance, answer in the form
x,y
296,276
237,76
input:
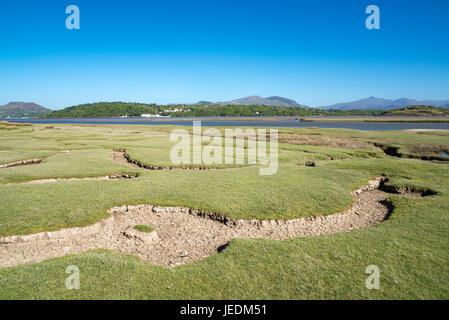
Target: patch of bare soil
x,y
119,156
423,130
21,163
184,235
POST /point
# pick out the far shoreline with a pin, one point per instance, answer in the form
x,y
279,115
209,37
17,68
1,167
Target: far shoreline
x,y
416,119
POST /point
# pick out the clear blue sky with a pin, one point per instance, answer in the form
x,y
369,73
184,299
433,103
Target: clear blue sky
x,y
316,52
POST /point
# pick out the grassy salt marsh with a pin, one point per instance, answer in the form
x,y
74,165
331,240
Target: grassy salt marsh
x,y
410,248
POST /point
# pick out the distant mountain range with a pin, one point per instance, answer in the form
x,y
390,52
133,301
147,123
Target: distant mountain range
x,y
22,109
384,104
257,100
29,109
362,104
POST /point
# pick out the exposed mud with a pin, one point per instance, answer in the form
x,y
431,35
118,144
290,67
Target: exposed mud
x,y
185,235
41,181
120,157
21,163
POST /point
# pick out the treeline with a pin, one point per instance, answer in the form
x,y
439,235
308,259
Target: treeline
x,y
241,111
118,109
21,113
258,110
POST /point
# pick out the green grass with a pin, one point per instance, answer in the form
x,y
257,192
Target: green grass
x,y
411,248
76,164
144,228
9,156
300,191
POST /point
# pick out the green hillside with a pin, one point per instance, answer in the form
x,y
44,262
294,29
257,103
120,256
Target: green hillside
x,y
105,109
417,111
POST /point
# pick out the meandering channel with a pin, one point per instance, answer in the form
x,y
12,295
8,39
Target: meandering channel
x,y
184,235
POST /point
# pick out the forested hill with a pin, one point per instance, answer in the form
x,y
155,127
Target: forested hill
x,y
105,109
117,109
417,111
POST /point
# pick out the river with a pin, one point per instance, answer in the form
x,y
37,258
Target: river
x,y
244,123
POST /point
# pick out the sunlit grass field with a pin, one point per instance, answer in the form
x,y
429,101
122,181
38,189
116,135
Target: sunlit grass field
x,y
411,248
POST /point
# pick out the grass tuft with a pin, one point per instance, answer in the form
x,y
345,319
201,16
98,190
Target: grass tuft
x,y
144,228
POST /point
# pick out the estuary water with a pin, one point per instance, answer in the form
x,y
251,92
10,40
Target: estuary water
x,y
242,122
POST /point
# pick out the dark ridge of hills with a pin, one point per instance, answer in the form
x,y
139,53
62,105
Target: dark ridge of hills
x,y
23,109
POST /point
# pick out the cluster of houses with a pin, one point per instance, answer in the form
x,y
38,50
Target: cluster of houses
x,y
152,116
166,111
145,115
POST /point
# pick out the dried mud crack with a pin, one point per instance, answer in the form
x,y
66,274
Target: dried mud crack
x,y
21,163
51,180
184,235
120,155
